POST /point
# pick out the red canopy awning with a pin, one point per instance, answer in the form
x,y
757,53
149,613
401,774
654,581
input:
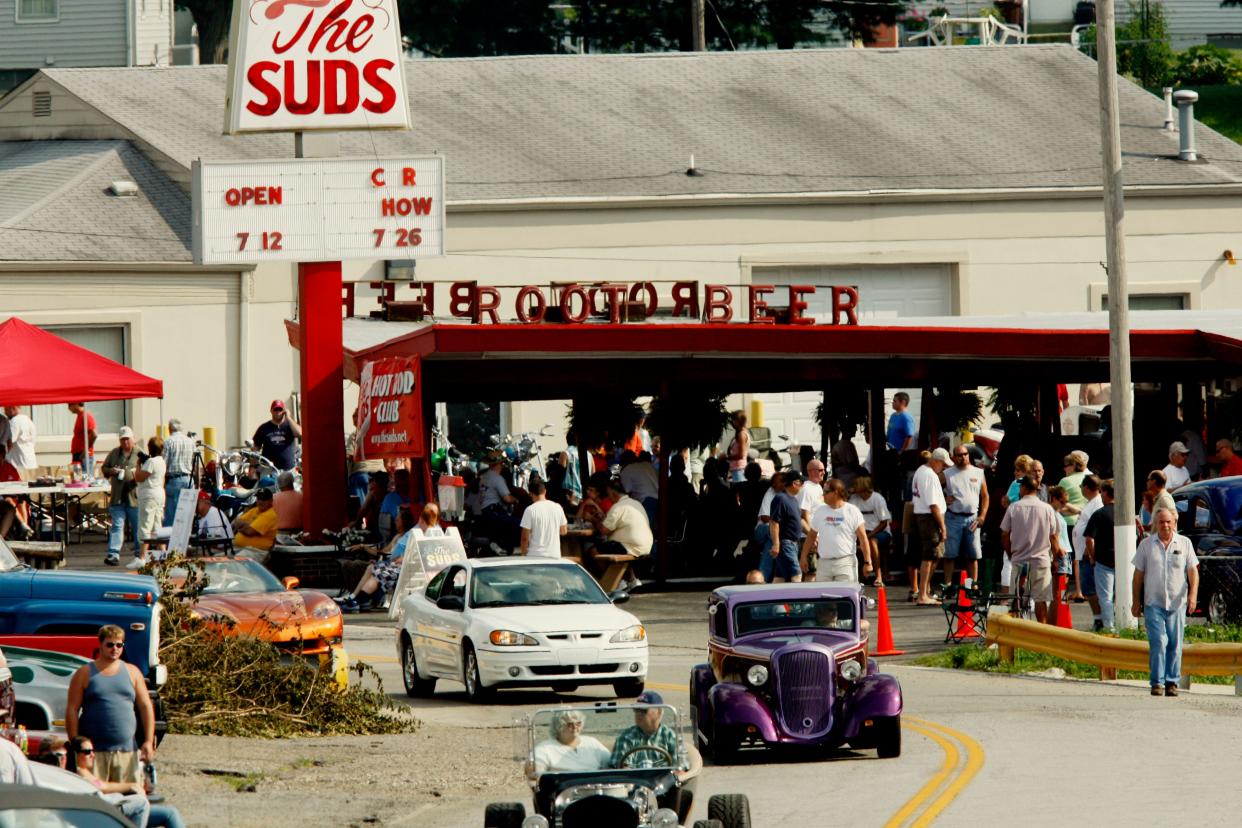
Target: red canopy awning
x,y
40,368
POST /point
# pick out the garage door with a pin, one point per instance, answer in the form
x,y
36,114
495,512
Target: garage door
x,y
883,293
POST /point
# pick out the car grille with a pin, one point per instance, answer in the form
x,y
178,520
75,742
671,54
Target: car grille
x,y
597,668
804,687
568,669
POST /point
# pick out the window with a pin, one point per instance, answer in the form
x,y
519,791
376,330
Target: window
x,y
56,420
38,11
1153,301
437,583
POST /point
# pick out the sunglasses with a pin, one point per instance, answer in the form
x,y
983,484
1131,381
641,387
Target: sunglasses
x,y
114,644
85,751
60,754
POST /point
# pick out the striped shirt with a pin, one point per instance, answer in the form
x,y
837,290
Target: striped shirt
x,y
178,454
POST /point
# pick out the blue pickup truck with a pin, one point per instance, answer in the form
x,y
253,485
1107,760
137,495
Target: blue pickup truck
x,y
62,611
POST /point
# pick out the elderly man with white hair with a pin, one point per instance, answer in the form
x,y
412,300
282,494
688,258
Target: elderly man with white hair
x,y
1165,588
179,457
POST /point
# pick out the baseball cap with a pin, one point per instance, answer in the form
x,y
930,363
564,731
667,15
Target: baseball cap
x,y
1178,447
941,455
204,495
125,431
649,698
278,404
791,477
263,494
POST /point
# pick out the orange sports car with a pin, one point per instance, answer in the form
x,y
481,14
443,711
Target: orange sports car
x,y
258,604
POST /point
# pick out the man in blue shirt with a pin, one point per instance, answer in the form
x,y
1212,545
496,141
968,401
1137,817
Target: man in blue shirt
x,y
786,529
901,433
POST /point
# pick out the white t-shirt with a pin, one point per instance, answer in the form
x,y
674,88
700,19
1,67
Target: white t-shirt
x,y
927,491
874,510
153,487
964,486
492,489
640,481
765,505
1176,477
837,530
544,519
1077,539
214,525
22,455
589,755
811,497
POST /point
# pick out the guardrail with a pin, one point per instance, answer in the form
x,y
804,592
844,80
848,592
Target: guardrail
x,y
1109,654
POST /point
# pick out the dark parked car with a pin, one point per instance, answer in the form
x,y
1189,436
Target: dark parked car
x,y
788,667
1210,514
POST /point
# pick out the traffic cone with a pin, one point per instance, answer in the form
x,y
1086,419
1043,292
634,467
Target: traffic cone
x,y
1062,610
965,615
884,627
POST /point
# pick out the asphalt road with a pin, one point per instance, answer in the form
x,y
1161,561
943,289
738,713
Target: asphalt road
x,y
977,748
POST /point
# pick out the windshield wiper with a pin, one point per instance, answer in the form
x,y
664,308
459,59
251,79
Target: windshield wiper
x,y
559,601
486,604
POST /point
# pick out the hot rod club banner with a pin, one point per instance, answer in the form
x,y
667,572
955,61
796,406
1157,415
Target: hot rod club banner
x,y
390,410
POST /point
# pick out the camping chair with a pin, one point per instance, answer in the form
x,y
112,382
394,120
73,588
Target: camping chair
x,y
965,612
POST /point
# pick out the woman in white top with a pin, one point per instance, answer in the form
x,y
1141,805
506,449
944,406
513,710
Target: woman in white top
x,y
568,750
876,518
150,493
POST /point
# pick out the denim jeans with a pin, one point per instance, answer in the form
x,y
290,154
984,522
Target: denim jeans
x,y
1164,642
763,536
786,564
164,816
960,542
122,517
172,491
1105,581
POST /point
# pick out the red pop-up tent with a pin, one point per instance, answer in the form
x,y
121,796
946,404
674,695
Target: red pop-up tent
x,y
39,368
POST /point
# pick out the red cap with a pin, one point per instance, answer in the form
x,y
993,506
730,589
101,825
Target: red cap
x,y
278,404
202,495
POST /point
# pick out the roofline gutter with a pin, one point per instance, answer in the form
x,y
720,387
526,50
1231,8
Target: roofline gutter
x,y
120,267
843,196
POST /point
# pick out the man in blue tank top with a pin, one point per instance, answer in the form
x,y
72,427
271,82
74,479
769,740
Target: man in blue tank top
x,y
107,699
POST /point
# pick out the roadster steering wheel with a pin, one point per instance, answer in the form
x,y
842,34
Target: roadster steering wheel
x,y
640,749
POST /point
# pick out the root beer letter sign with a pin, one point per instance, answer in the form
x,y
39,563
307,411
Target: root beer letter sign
x,y
315,64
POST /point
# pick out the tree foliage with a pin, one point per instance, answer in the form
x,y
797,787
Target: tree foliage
x,y
688,420
602,419
842,414
212,18
481,28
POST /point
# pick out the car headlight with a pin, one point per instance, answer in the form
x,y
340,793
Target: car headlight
x,y
539,821
851,670
327,610
634,633
664,818
509,638
757,675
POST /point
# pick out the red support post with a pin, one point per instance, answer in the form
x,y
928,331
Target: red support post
x,y
323,399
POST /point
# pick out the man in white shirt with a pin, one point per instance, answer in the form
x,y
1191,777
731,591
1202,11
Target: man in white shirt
x,y
1166,587
625,526
1176,474
966,501
812,495
20,451
929,509
837,532
212,524
543,524
1090,487
641,481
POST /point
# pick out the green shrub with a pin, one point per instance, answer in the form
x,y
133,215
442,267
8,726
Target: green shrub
x,y
1207,65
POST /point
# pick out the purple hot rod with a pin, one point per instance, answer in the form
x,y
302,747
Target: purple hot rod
x,y
789,667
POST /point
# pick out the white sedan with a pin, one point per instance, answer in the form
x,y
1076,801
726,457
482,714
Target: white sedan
x,y
519,622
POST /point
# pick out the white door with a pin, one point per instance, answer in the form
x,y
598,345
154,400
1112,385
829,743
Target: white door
x,y
883,293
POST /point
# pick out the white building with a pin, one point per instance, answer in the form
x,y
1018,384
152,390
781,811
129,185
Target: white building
x,y
939,182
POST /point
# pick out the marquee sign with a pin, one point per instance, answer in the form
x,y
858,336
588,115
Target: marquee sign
x,y
317,209
300,65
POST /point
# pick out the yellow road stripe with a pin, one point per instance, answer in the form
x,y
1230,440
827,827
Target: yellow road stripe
x,y
378,659
950,763
658,685
974,761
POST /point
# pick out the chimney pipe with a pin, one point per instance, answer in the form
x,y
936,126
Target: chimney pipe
x,y
1168,109
1185,100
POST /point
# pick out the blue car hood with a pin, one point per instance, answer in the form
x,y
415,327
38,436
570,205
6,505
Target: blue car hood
x,y
89,586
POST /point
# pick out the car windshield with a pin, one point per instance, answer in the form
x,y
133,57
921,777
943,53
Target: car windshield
x,y
232,576
575,739
7,559
531,584
836,614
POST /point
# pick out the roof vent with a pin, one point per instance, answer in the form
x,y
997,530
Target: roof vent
x,y
1168,109
1185,100
123,189
41,104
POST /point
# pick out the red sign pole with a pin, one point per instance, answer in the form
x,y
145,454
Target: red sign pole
x,y
323,399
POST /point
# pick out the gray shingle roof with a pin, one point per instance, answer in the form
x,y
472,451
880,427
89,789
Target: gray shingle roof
x,y
833,120
56,204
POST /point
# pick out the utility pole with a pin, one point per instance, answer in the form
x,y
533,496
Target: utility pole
x,y
698,30
1118,316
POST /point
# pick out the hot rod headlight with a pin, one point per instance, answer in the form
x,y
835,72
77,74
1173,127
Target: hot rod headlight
x,y
851,670
629,634
664,818
757,675
535,821
509,638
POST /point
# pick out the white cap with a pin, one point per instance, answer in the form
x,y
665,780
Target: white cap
x,y
942,456
125,431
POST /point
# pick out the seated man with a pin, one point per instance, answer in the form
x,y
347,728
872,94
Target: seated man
x,y
568,750
256,528
212,524
625,530
288,504
647,732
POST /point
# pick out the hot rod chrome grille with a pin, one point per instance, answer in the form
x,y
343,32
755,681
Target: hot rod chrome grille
x,y
804,685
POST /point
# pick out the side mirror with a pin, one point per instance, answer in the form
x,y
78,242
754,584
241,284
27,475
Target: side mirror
x,y
451,602
291,582
870,603
619,596
249,444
